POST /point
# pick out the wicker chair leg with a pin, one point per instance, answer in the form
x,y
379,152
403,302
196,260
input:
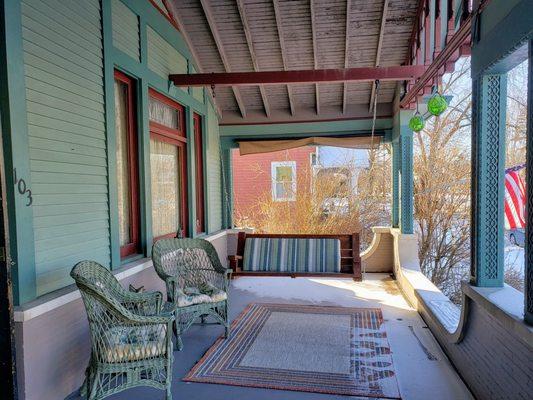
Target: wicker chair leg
x,y
84,389
168,394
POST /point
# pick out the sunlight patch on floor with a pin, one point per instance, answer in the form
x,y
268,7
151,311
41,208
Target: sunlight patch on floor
x,y
375,288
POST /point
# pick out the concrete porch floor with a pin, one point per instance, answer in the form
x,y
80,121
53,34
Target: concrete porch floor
x,y
423,371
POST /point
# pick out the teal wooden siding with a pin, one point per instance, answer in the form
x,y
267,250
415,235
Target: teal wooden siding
x,y
62,44
163,59
213,176
125,30
197,92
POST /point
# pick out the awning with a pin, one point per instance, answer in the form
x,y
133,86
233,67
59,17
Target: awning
x,y
267,146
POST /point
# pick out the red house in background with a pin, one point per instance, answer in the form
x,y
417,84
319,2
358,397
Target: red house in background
x,y
280,174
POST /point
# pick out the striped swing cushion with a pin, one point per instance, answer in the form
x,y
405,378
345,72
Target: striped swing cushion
x,y
292,255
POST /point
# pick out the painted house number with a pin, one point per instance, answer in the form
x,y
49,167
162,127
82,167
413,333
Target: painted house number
x,y
22,188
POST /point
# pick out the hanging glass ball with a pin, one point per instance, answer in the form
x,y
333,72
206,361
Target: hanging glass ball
x,y
437,104
417,123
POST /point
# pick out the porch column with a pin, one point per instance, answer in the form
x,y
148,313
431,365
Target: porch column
x,y
528,273
227,188
395,182
402,172
488,175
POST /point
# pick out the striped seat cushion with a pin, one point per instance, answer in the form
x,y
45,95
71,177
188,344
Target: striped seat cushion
x,y
292,255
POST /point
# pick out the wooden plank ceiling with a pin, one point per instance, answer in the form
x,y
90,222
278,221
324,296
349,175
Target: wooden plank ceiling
x,y
274,35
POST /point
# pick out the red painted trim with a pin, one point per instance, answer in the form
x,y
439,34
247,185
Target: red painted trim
x,y
397,73
415,34
133,174
427,36
449,53
199,163
176,137
169,17
304,121
166,131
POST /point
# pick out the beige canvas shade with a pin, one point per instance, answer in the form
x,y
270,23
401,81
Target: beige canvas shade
x,y
267,146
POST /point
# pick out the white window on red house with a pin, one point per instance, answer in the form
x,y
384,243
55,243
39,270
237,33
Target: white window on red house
x,y
283,180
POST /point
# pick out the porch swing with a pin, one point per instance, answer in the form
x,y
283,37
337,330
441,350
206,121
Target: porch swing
x,y
296,254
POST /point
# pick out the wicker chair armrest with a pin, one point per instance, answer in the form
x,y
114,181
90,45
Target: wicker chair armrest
x,y
163,318
142,303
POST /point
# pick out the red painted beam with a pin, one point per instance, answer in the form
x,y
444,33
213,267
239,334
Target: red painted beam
x,y
399,73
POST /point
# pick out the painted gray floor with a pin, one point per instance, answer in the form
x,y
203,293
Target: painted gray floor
x,y
422,370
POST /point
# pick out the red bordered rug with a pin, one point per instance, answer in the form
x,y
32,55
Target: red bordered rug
x,y
334,350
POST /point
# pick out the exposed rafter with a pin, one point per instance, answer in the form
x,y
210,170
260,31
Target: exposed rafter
x,y
315,59
249,41
283,51
346,55
397,73
378,51
220,47
181,27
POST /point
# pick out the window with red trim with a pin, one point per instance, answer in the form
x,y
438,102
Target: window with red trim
x,y
127,165
199,162
168,150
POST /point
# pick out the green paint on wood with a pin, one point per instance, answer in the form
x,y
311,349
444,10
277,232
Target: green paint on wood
x,y
66,129
348,127
125,28
15,146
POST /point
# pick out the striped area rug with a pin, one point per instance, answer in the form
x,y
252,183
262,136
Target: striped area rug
x,y
333,350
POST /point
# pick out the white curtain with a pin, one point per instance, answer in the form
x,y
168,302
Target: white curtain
x,y
163,114
123,184
164,161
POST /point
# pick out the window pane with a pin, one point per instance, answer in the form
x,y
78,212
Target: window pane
x,y
123,184
284,174
163,113
283,190
164,161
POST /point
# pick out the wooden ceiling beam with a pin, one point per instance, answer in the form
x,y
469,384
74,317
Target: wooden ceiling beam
x,y
378,51
283,50
315,59
220,47
249,41
346,55
366,74
179,25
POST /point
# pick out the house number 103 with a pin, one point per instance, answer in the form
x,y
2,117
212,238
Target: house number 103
x,y
22,188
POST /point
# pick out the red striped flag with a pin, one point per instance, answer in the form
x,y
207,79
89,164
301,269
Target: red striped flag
x,y
515,197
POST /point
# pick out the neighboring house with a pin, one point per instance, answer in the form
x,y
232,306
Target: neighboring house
x,y
279,175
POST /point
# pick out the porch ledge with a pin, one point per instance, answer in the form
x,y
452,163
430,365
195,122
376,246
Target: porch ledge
x,y
504,304
60,297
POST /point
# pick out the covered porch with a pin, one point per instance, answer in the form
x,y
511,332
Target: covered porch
x,y
422,369
119,118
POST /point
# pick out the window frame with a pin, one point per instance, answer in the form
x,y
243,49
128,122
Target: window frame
x,y
134,247
273,168
199,175
178,138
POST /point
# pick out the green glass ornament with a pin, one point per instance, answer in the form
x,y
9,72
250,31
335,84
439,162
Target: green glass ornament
x,y
437,104
417,123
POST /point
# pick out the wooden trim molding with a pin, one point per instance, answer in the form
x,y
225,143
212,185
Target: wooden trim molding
x,y
176,137
133,166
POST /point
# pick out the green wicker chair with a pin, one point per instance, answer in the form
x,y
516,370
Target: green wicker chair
x,y
197,283
131,340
